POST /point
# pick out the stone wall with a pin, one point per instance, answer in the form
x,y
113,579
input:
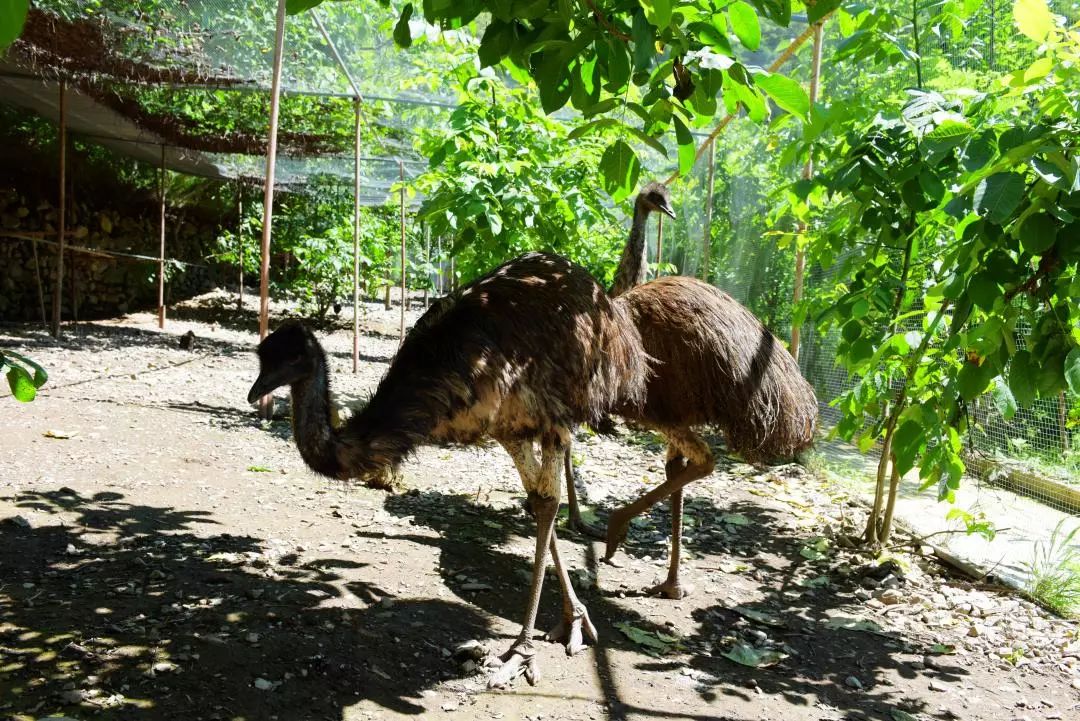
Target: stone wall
x,y
104,286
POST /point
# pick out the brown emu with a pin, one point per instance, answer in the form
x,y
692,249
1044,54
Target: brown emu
x,y
522,353
713,363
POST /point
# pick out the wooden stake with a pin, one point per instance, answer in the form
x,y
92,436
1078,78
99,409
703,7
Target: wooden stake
x,y
356,250
706,241
40,289
401,179
161,250
808,172
58,286
266,403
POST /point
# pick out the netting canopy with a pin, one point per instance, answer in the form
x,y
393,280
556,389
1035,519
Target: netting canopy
x,y
128,65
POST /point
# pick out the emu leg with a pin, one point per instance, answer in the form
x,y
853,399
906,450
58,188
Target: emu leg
x,y
575,617
543,488
574,522
689,459
672,587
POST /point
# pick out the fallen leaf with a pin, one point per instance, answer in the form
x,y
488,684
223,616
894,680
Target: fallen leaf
x,y
747,655
644,638
943,649
735,519
759,616
59,435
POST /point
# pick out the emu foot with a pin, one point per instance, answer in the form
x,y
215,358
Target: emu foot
x,y
519,660
617,527
569,631
671,588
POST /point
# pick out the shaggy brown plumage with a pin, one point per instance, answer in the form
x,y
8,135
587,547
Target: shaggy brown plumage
x,y
716,364
713,363
523,353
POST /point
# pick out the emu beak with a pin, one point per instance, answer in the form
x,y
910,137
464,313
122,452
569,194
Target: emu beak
x,y
264,384
665,208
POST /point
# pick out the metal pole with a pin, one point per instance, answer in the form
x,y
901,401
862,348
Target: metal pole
x,y
58,286
266,402
706,241
240,241
356,250
401,178
161,253
808,172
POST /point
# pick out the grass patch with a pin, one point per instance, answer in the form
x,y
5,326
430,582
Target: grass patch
x,y
1055,572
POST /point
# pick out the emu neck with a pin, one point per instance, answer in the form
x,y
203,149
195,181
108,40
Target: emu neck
x,y
314,434
633,265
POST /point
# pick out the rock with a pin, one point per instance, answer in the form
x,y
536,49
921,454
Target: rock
x,y
449,706
936,685
263,685
386,602
853,682
473,650
890,596
476,586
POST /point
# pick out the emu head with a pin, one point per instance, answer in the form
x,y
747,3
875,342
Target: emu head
x,y
286,356
656,196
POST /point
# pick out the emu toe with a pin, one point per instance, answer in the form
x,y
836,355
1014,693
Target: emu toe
x,y
572,631
671,588
519,660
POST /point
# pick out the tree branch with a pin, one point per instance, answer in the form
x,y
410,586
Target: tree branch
x,y
605,23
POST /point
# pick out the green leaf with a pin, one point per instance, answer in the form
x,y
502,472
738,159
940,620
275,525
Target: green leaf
x,y
402,35
40,376
999,195
1072,370
657,12
22,386
1038,233
746,655
820,9
495,44
644,36
1033,19
744,21
973,380
12,19
292,7
786,93
1004,398
907,442
620,169
1022,378
259,469
735,519
984,290
687,147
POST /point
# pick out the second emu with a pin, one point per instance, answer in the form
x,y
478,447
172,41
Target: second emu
x,y
713,363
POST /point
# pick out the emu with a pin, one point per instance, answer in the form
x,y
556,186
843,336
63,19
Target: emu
x,y
713,363
523,353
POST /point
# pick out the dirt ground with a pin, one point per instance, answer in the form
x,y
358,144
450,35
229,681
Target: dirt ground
x,y
165,555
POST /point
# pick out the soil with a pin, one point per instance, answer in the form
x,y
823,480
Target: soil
x,y
164,554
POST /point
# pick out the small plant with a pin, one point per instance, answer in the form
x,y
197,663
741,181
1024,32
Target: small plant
x,y
1055,572
24,375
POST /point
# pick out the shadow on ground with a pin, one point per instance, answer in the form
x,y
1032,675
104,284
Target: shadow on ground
x,y
801,600
128,613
